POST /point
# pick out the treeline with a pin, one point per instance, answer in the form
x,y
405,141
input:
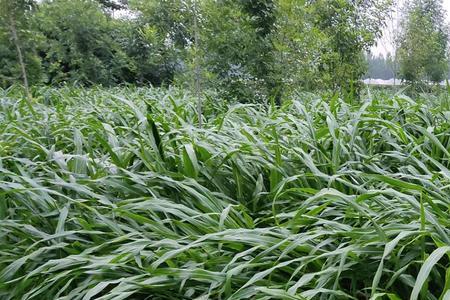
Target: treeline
x,y
245,49
249,49
380,67
420,47
423,43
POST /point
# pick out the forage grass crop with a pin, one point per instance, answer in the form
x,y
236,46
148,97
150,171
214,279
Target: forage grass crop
x,y
118,194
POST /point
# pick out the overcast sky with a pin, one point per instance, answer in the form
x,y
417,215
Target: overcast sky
x,y
383,46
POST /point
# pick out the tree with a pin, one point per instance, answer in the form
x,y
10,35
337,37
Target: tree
x,y
14,19
197,70
255,50
236,53
113,4
168,27
248,50
82,44
263,17
298,45
379,67
351,27
423,54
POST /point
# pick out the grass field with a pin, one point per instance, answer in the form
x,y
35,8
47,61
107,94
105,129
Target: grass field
x,y
118,194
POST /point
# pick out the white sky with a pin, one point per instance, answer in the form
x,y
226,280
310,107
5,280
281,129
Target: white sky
x,y
383,46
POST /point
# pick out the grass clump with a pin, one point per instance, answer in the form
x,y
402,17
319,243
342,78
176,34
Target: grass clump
x,y
117,194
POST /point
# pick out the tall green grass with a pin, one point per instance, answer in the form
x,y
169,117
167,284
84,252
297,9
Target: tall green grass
x,y
118,194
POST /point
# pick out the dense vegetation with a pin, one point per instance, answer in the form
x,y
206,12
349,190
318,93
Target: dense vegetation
x,y
248,50
417,45
118,194
222,149
423,42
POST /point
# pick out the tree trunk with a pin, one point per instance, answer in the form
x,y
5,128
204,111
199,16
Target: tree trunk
x,y
197,66
12,25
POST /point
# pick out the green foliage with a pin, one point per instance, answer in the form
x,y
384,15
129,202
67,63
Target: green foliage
x,y
114,194
113,4
263,49
170,18
152,58
351,28
16,15
262,16
423,52
238,68
164,36
79,45
250,51
296,65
